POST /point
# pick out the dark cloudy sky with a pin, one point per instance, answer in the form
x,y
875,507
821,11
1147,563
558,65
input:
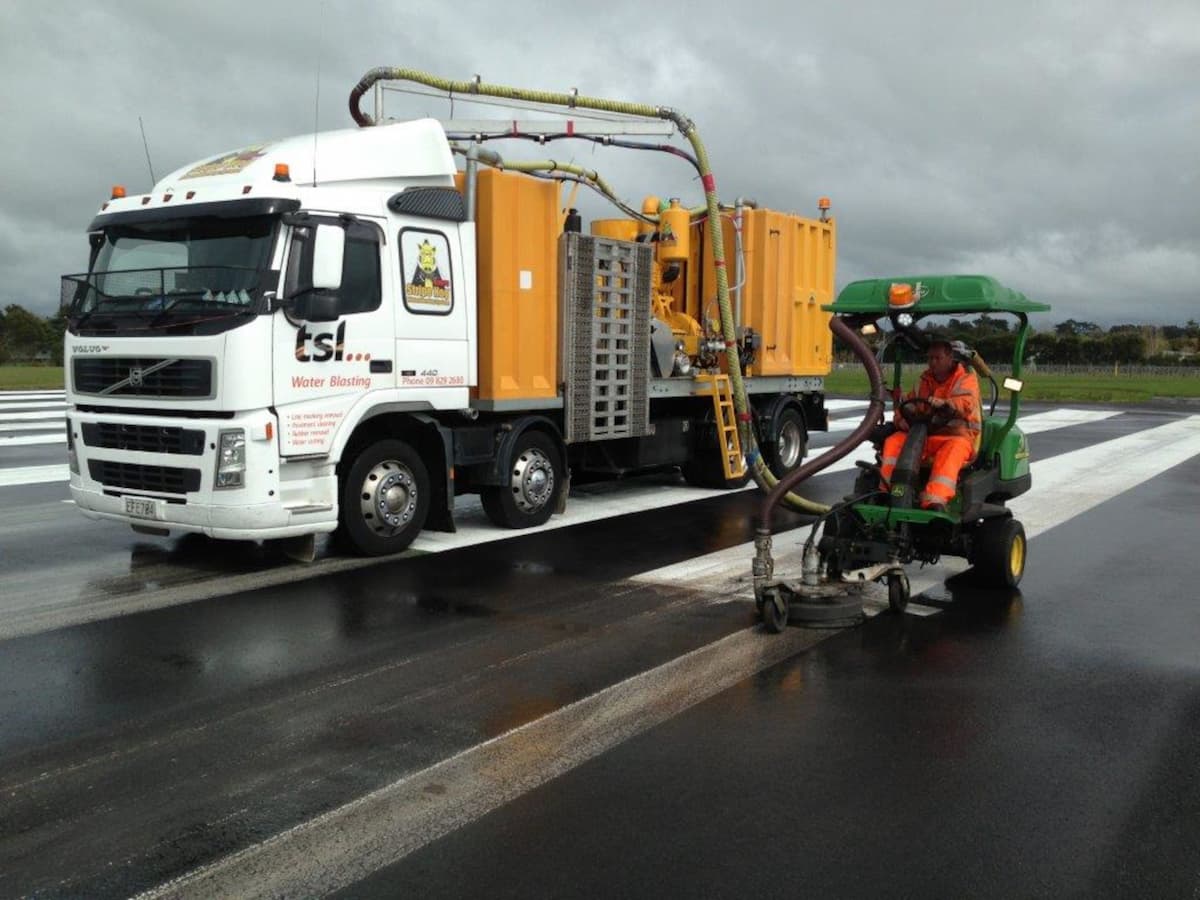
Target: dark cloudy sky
x,y
1053,144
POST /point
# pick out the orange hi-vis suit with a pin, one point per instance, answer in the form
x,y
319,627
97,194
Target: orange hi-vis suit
x,y
953,445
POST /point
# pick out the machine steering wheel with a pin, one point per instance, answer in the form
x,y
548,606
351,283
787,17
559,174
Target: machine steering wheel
x,y
918,410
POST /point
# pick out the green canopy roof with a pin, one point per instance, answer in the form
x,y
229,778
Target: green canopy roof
x,y
937,295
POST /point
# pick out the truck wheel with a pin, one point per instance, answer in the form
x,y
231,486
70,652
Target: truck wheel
x,y
535,478
385,499
999,552
788,444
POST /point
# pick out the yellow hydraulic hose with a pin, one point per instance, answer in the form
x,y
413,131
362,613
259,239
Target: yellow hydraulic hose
x,y
759,471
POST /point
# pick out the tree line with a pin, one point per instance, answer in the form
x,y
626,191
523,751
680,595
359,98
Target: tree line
x,y
26,337
1075,342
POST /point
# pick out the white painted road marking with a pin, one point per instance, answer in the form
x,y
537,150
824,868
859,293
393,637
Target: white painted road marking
x,y
13,440
837,405
1063,487
1069,485
31,405
31,416
34,475
35,395
347,844
6,427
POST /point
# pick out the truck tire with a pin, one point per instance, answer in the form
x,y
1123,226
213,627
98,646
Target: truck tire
x,y
384,499
999,552
788,443
535,479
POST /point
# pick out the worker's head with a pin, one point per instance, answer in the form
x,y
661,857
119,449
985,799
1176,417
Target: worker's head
x,y
941,359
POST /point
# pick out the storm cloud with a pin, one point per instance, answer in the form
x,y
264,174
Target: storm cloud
x,y
1053,145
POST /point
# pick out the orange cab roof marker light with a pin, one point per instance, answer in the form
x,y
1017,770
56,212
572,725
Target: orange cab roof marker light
x,y
900,296
282,173
118,192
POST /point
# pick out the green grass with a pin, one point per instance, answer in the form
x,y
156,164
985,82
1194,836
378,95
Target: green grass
x,y
31,378
1057,388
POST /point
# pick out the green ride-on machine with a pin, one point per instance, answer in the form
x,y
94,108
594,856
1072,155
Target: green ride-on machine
x,y
880,529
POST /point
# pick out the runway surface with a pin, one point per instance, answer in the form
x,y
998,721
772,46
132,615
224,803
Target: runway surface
x,y
590,707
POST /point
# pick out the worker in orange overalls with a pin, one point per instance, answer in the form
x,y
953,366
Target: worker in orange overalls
x,y
953,391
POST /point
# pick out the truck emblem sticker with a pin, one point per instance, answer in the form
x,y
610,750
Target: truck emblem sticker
x,y
323,346
135,376
426,259
229,164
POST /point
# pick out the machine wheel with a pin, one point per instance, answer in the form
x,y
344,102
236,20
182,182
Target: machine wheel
x,y
775,619
789,443
897,592
385,499
535,478
999,552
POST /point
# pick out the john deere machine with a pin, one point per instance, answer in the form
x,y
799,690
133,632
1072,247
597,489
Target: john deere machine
x,y
878,531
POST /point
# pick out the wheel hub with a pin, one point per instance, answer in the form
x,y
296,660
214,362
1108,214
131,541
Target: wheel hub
x,y
789,445
389,497
532,480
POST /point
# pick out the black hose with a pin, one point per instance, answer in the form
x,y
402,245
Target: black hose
x,y
843,447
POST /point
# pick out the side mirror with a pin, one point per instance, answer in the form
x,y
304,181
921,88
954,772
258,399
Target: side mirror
x,y
329,250
316,306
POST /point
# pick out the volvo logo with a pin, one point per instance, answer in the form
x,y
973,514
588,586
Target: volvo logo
x,y
135,376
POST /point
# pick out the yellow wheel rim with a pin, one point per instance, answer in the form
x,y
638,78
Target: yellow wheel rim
x,y
1016,556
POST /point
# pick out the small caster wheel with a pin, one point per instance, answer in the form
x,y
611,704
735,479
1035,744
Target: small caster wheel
x,y
775,613
897,592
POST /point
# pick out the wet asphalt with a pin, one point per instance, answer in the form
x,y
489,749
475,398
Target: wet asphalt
x,y
1026,745
1040,744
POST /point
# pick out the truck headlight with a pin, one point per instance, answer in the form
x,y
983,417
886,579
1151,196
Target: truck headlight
x,y
231,459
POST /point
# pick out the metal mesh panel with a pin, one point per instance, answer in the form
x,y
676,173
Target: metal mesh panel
x,y
605,302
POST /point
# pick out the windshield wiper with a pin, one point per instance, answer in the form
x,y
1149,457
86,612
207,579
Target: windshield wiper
x,y
175,300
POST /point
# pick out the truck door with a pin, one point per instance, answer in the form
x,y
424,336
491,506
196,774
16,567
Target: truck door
x,y
433,356
322,368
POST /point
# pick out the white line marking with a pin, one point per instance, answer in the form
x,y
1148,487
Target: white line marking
x,y
7,441
836,405
28,405
34,475
1063,487
31,416
346,844
32,426
1068,485
38,395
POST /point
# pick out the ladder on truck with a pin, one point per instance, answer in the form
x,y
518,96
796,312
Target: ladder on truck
x,y
720,388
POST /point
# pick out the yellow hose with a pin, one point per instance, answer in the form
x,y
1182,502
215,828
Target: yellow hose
x,y
758,469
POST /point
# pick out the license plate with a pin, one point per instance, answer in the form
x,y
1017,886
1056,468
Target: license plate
x,y
142,508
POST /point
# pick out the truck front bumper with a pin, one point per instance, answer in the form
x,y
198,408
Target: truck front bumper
x,y
175,490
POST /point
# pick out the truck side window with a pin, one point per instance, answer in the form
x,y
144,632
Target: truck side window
x,y
361,290
360,275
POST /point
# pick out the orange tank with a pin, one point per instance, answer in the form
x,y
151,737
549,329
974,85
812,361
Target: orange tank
x,y
517,228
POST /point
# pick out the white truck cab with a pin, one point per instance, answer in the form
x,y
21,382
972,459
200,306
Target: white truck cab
x,y
210,368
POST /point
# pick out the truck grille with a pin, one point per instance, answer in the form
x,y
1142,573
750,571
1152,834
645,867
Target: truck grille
x,y
161,479
133,376
145,438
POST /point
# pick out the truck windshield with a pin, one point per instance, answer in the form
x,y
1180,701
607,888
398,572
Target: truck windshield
x,y
173,274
